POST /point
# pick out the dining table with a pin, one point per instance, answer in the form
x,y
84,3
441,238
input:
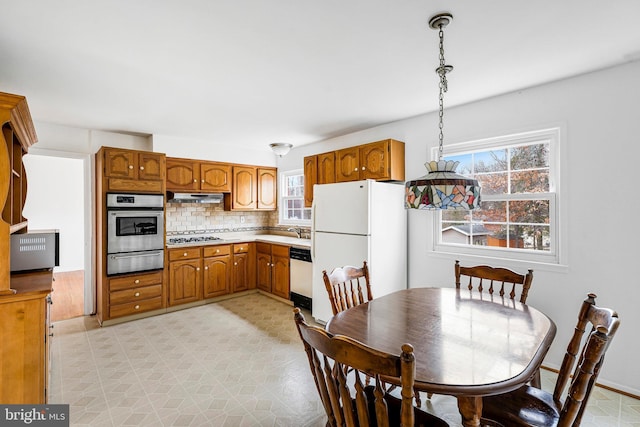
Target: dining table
x,y
467,344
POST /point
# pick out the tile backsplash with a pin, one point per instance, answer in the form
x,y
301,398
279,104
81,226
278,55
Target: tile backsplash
x,y
195,217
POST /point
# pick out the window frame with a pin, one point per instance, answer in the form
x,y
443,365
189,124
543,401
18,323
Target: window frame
x,y
552,257
282,186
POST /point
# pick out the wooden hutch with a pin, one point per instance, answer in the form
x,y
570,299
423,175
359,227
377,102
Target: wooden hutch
x,y
24,298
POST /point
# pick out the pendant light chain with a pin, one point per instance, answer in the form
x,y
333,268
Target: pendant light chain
x,y
442,71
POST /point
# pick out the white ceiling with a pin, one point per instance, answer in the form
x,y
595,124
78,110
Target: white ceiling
x,y
252,72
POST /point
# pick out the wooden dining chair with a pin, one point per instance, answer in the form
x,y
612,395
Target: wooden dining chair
x,y
348,401
495,279
530,406
347,287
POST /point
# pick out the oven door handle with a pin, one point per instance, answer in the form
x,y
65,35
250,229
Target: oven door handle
x,y
134,255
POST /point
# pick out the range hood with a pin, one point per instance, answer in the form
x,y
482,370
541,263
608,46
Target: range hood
x,y
195,197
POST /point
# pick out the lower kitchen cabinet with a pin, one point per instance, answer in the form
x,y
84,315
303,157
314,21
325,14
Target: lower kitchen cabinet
x,y
243,267
185,275
273,269
134,293
217,270
25,335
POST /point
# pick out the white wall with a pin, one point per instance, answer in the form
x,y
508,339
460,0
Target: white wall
x,y
598,115
55,199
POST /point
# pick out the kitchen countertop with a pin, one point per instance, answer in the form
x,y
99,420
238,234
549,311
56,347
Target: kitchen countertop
x,y
267,238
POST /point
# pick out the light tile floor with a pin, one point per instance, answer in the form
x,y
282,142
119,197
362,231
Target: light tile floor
x,y
238,362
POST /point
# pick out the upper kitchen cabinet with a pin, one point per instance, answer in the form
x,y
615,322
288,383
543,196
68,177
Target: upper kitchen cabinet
x,y
132,170
195,175
254,188
18,135
381,161
310,178
267,188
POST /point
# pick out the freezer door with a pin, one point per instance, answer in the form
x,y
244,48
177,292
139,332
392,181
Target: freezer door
x,y
341,207
330,251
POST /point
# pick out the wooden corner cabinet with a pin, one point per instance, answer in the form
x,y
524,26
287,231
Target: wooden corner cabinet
x,y
380,160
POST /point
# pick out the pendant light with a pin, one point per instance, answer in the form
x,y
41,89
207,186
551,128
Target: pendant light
x,y
442,187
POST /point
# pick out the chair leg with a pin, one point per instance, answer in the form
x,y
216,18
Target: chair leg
x,y
416,394
429,395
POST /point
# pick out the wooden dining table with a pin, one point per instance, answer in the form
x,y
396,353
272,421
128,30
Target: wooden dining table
x,y
467,344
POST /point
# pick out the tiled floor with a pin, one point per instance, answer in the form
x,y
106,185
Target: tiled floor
x,y
239,362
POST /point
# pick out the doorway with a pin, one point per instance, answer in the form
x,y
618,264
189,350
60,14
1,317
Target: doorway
x,y
57,198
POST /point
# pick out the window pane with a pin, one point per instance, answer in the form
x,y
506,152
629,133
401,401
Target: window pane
x,y
491,161
529,211
493,183
491,212
466,163
530,156
531,181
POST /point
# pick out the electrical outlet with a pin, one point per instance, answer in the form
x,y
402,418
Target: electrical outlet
x,y
242,219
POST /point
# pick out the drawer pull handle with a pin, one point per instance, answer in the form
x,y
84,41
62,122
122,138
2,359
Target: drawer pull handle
x,y
137,294
235,263
184,254
137,307
217,251
136,281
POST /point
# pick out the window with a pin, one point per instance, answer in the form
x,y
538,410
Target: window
x,y
292,199
517,217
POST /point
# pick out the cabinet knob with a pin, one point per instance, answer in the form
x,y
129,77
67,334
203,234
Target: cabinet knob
x,y
197,268
137,307
184,254
235,263
195,180
217,251
355,170
136,281
363,168
130,166
202,180
137,294
206,268
141,168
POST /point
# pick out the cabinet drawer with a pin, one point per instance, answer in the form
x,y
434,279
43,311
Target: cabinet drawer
x,y
135,294
241,248
264,248
135,281
217,250
184,253
135,307
279,250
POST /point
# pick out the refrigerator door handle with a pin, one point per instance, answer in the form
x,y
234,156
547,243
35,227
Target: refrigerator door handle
x,y
313,230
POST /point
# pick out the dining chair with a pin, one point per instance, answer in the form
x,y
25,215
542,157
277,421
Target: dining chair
x,y
484,277
348,401
347,287
530,406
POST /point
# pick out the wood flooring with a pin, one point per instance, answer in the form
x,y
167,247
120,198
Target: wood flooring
x,y
68,295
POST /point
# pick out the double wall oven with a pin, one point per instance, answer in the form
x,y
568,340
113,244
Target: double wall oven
x,y
135,233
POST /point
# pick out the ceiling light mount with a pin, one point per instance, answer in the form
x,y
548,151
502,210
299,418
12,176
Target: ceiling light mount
x,y
280,148
440,20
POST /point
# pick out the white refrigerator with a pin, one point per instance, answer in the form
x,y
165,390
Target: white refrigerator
x,y
354,222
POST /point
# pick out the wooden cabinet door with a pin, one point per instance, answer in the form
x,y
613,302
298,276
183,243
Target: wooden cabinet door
x,y
151,166
216,276
374,161
263,269
327,168
240,272
120,163
280,278
267,188
348,164
182,175
215,177
244,188
310,178
185,281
